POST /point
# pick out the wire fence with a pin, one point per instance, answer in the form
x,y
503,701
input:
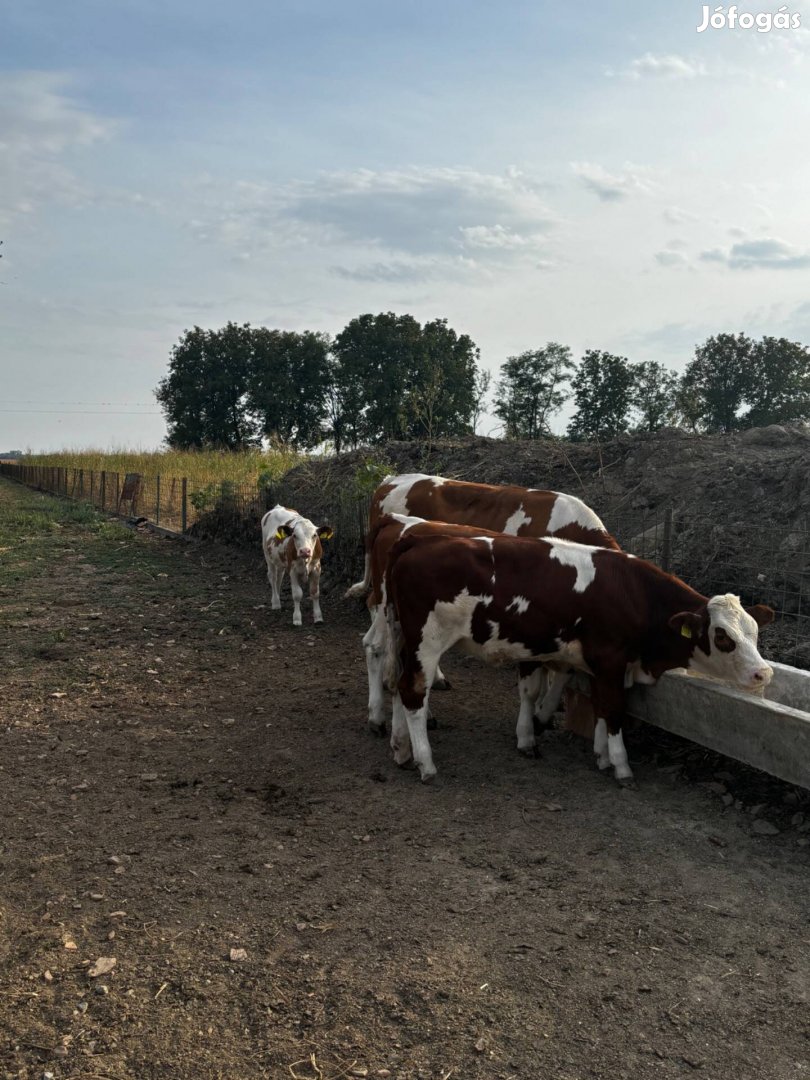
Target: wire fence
x,y
768,565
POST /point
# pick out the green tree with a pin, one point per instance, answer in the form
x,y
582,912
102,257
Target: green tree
x,y
288,385
603,395
440,392
654,395
717,382
483,381
372,358
204,395
779,385
392,378
531,389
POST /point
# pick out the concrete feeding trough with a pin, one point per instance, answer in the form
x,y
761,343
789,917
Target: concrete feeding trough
x,y
769,731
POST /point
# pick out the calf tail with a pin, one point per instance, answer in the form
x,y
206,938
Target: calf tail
x,y
360,588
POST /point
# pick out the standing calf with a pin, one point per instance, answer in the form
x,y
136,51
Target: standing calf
x,y
292,543
508,598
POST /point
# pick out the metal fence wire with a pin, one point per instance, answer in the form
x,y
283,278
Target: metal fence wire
x,y
769,565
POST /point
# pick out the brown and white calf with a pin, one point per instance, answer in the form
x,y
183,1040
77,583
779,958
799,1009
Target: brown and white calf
x,y
531,685
292,544
502,508
419,497
615,617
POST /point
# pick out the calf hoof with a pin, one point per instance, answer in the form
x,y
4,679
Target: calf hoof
x,y
442,684
406,763
318,622
627,782
427,777
377,729
529,751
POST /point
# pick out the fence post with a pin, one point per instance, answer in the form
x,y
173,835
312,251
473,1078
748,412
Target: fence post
x,y
157,499
184,505
103,488
118,493
666,548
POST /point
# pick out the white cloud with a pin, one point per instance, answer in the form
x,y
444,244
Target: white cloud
x,y
612,187
413,214
766,254
664,67
668,257
39,125
676,215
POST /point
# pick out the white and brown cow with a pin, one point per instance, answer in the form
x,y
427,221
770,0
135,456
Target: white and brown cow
x,y
291,543
603,612
502,508
531,685
418,497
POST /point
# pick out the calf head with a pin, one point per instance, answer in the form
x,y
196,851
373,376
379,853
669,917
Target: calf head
x,y
305,538
723,635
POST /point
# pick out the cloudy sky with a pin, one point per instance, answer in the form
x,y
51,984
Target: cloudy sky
x,y
605,176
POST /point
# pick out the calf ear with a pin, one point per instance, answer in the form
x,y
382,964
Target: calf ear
x,y
762,613
687,623
283,531
325,533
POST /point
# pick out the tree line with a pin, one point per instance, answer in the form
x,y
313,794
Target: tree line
x,y
387,376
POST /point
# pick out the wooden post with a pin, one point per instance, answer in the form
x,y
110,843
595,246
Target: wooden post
x,y
117,493
93,486
184,506
157,499
103,488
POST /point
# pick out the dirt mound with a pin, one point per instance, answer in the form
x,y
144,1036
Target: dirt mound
x,y
726,477
728,513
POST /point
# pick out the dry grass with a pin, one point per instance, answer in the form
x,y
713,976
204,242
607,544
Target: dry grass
x,y
202,468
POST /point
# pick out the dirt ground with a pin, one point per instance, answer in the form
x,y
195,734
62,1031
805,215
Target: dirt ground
x,y
189,789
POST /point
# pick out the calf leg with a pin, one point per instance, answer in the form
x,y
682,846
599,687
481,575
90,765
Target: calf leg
x,y
545,709
275,575
530,680
315,592
608,742
374,644
297,594
400,737
414,688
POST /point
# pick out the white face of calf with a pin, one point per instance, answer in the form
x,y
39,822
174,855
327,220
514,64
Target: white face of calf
x,y
304,536
730,634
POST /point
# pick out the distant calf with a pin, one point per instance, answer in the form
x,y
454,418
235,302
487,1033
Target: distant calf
x,y
292,543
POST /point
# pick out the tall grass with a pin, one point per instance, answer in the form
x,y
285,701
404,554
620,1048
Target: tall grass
x,y
201,467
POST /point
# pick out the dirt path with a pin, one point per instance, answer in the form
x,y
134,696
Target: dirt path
x,y
184,774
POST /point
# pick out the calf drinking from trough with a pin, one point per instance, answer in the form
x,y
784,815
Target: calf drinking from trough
x,y
292,543
615,617
414,499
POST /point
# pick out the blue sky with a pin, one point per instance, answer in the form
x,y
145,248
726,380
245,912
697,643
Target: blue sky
x,y
606,177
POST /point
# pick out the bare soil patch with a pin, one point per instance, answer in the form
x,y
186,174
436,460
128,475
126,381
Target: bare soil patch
x,y
189,788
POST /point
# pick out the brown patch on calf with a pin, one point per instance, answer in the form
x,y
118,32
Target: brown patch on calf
x,y
722,641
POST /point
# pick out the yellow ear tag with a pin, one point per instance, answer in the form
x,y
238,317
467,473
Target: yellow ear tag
x,y
686,631
280,535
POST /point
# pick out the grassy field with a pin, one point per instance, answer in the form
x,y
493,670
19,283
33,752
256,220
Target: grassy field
x,y
202,467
